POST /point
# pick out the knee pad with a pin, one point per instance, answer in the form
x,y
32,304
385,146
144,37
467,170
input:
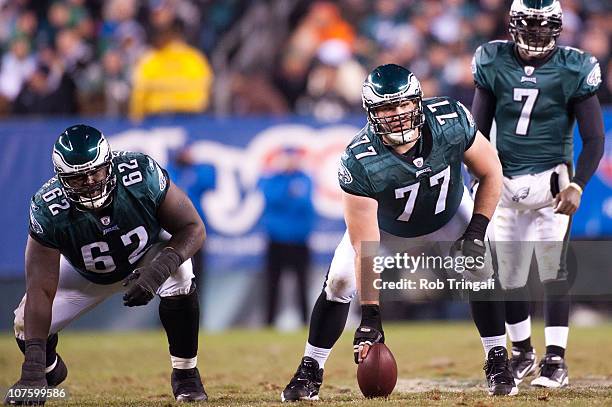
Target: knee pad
x,y
340,288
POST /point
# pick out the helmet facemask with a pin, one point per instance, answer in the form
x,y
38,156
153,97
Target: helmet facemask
x,y
397,128
90,188
535,33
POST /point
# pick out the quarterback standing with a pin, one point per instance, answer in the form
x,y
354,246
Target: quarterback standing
x,y
402,184
535,90
99,227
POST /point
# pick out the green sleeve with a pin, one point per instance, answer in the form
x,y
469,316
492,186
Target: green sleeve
x,y
41,226
157,181
468,124
483,68
589,77
352,176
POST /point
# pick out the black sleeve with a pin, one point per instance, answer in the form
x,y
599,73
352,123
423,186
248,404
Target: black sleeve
x,y
590,125
483,109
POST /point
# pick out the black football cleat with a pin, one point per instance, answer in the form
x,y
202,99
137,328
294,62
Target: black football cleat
x,y
305,383
58,374
187,385
499,374
523,364
553,373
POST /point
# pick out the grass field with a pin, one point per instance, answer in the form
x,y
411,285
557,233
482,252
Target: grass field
x,y
439,364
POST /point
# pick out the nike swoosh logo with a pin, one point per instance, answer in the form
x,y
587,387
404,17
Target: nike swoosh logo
x,y
520,374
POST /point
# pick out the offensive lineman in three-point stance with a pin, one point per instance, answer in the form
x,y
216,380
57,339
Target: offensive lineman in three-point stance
x,y
99,225
402,183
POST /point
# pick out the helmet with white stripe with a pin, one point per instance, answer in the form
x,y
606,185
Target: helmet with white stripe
x,y
385,92
82,159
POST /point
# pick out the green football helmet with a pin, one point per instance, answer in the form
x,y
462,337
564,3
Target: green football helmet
x,y
82,159
535,25
387,87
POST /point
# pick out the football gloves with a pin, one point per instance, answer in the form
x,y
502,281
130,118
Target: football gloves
x,y
369,332
474,249
27,391
144,282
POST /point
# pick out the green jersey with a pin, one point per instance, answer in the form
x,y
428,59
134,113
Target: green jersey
x,y
533,104
105,245
415,196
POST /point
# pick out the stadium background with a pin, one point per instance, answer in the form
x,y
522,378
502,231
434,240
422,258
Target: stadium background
x,y
281,73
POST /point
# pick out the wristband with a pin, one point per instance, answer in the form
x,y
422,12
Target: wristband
x,y
370,316
477,228
576,187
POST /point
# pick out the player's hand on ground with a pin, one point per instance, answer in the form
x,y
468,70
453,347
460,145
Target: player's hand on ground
x,y
21,394
369,332
30,389
568,200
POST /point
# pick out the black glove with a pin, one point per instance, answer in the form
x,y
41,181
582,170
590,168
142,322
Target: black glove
x,y
370,330
32,376
474,252
145,281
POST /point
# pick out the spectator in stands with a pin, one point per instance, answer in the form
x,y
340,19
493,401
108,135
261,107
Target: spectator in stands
x,y
331,92
172,78
275,44
46,92
253,94
322,22
17,65
288,219
116,84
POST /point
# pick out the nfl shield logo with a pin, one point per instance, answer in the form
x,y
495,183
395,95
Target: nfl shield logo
x,y
418,162
105,220
529,70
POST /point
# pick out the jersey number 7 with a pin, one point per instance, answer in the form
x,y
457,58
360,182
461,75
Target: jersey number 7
x,y
531,96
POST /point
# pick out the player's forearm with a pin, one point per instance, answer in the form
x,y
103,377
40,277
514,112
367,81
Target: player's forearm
x,y
365,276
37,314
483,110
488,194
590,125
187,241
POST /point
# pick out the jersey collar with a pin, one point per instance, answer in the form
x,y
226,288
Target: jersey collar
x,y
421,149
536,63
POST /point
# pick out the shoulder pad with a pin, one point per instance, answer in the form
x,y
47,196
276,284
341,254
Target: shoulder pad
x,y
365,146
486,53
573,59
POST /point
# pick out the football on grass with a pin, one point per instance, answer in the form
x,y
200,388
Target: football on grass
x,y
377,373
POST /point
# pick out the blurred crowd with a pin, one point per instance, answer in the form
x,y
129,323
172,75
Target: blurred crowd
x,y
146,57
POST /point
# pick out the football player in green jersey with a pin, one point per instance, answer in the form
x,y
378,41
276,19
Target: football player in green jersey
x,y
535,90
402,184
108,222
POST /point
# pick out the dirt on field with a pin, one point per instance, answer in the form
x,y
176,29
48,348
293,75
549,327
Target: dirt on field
x,y
420,385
